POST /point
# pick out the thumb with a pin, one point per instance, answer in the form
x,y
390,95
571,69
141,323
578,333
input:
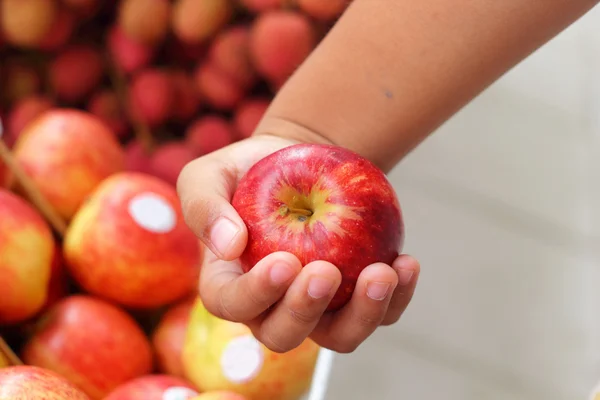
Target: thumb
x,y
205,187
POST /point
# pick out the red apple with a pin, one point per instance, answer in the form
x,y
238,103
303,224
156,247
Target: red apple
x,y
220,395
146,21
137,159
129,243
187,98
230,53
196,21
209,133
169,159
105,105
169,336
280,41
220,355
323,10
61,30
151,96
154,387
75,72
27,22
28,383
67,153
249,114
320,202
26,251
93,343
217,88
4,175
22,113
128,54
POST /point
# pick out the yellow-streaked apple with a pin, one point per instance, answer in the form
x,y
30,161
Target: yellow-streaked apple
x,y
223,355
169,335
26,382
67,153
129,243
26,254
154,387
320,202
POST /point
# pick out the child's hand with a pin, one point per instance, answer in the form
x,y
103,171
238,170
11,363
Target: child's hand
x,y
206,187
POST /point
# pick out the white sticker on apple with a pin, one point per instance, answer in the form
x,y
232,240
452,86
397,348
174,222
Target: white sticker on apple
x,y
179,393
152,212
242,359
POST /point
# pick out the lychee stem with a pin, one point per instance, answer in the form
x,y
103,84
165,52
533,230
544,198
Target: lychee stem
x,y
10,355
34,194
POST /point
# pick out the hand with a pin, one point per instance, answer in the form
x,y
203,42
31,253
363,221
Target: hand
x,y
279,300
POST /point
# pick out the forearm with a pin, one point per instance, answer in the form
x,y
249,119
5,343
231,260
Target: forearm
x,y
390,72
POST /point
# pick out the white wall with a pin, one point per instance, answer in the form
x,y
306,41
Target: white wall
x,y
502,208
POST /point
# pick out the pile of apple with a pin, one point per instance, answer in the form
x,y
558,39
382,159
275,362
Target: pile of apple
x,y
102,104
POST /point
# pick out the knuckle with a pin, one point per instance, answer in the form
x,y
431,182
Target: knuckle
x,y
268,339
256,297
224,310
302,317
368,320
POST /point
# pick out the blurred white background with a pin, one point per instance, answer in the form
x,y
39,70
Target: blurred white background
x,y
502,207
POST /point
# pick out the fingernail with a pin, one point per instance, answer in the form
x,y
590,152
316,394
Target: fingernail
x,y
281,273
222,235
378,290
319,287
404,276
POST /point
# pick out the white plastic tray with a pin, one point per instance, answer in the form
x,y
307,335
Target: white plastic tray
x,y
320,381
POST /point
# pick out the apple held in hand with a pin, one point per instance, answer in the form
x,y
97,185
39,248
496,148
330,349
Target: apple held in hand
x,y
320,202
154,387
220,355
27,383
129,243
26,256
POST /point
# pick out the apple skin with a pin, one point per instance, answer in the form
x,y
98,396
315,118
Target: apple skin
x,y
356,217
208,343
130,261
219,395
26,252
67,153
28,382
169,336
154,387
93,343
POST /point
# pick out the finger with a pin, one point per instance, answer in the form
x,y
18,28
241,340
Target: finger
x,y
295,317
205,187
230,294
344,330
407,268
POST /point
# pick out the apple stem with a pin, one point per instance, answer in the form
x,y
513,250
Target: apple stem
x,y
34,194
9,353
141,130
289,210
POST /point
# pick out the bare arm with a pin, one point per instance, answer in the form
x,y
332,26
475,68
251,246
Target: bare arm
x,y
391,71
